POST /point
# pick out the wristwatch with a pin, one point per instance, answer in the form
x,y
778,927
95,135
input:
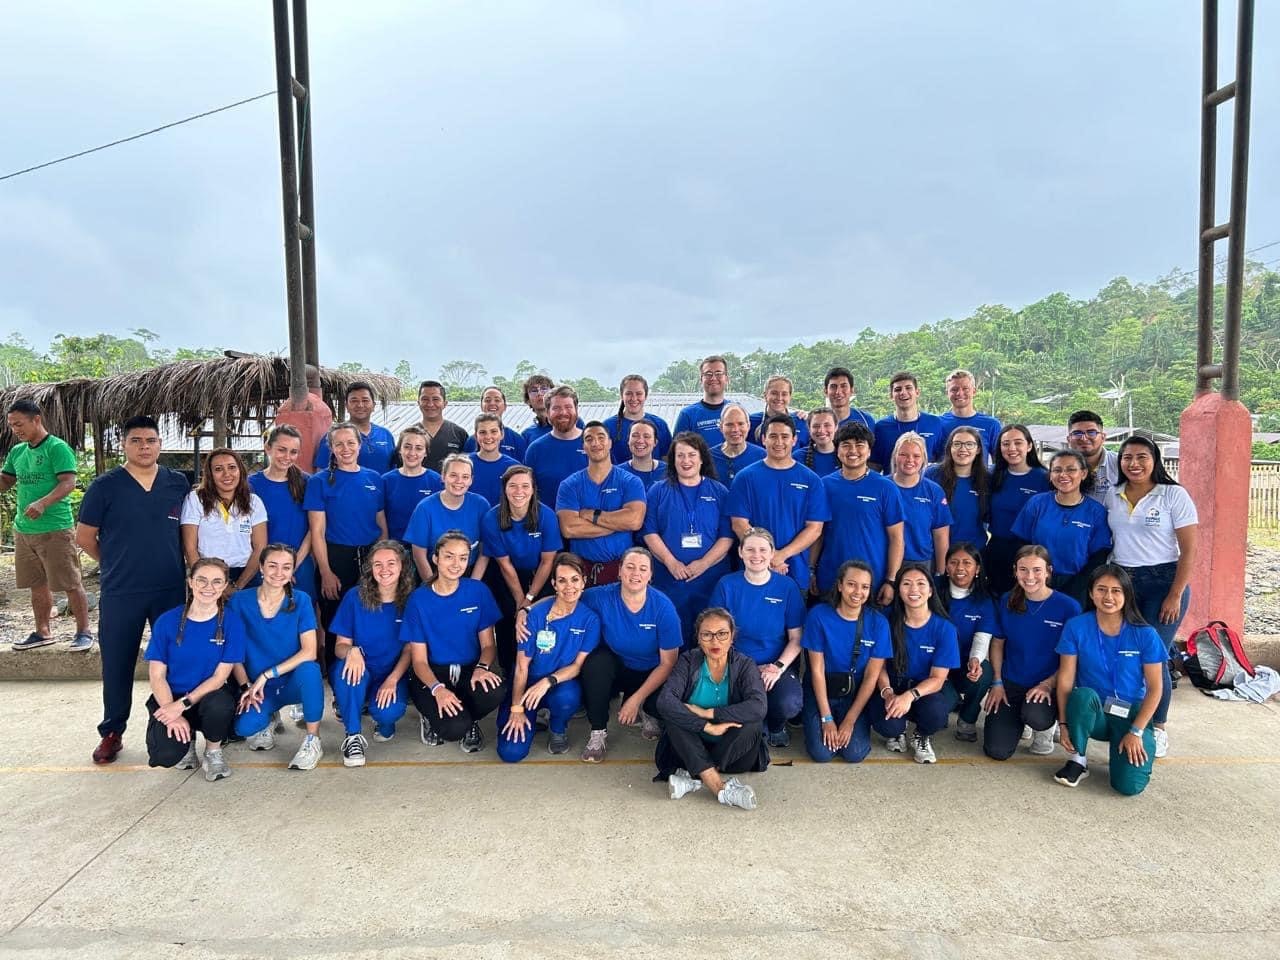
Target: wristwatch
x,y
529,597
552,679
779,664
595,517
186,702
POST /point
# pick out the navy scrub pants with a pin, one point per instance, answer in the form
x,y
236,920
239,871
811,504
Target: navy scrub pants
x,y
121,618
930,714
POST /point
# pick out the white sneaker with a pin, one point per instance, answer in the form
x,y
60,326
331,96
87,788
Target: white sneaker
x,y
1027,733
353,750
215,765
597,746
308,754
264,739
681,784
192,759
735,793
896,744
923,749
1042,741
1162,742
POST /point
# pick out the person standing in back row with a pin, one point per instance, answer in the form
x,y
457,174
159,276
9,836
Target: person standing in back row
x,y
129,524
1087,436
704,416
443,436
962,389
377,445
907,417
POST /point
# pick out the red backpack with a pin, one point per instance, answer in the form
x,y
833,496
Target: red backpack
x,y
1215,657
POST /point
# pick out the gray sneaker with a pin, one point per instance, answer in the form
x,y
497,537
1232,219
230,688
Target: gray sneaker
x,y
896,744
427,735
681,784
735,793
215,765
472,740
81,643
650,729
597,746
558,742
264,739
967,732
192,759
308,754
923,749
1042,741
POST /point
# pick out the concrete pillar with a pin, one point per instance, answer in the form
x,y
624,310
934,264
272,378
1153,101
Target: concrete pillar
x,y
1215,443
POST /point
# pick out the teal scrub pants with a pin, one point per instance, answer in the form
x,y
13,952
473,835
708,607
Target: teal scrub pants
x,y
1086,720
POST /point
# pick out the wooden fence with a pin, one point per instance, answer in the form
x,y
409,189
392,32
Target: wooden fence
x,y
1264,494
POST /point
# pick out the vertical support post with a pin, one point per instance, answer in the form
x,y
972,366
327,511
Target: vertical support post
x,y
289,203
1208,186
306,192
99,451
1239,195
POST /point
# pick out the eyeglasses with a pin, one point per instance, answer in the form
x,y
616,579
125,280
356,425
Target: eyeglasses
x,y
1062,470
963,445
1081,434
716,637
207,582
714,375
539,391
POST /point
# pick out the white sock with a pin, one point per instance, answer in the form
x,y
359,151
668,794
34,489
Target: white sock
x,y
1080,758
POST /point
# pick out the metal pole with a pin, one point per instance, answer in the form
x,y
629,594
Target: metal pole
x,y
306,195
1208,171
1239,191
289,200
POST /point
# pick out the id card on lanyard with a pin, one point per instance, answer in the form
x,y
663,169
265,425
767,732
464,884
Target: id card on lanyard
x,y
1114,705
692,538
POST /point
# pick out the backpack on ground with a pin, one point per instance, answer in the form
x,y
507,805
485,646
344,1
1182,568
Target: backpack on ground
x,y
1215,657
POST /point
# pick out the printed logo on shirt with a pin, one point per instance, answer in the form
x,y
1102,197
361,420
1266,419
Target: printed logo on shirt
x,y
1053,623
246,526
535,535
975,617
706,499
927,649
604,490
1129,653
1152,518
577,631
799,486
1028,491
469,609
1081,524
924,500
648,626
773,599
861,499
370,486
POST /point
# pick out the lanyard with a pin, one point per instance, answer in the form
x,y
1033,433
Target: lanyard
x,y
690,505
1111,660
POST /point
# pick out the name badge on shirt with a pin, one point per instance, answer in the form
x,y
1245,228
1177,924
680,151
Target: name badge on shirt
x,y
1117,707
691,541
545,641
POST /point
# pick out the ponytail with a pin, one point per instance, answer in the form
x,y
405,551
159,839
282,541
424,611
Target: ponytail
x,y
333,468
297,484
617,427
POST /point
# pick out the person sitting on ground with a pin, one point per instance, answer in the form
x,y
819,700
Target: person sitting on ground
x,y
222,517
713,704
973,613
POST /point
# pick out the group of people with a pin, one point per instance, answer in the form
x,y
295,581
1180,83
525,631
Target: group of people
x,y
728,580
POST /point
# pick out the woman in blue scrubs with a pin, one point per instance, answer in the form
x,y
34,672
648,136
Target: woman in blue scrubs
x,y
282,486
926,530
1017,476
453,508
962,475
819,454
409,483
973,613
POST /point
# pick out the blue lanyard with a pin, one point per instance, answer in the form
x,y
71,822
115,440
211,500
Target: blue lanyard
x,y
691,506
1103,649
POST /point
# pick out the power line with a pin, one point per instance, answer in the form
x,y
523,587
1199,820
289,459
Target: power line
x,y
137,136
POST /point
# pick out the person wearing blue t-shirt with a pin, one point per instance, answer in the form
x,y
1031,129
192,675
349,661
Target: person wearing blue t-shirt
x,y
962,475
777,400
926,532
558,453
641,640
838,387
453,508
408,484
376,444
488,462
819,455
281,487
371,659
973,613
907,417
280,656
1024,658
510,444
848,644
448,626
686,530
1109,679
769,613
1071,525
962,389
634,391
600,508
561,633
913,682
784,497
704,416
1016,476
642,465
191,653
866,518
734,454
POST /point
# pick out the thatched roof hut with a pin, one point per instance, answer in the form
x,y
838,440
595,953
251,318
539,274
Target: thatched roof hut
x,y
232,389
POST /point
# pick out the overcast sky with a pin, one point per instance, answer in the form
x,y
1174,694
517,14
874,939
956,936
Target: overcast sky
x,y
601,187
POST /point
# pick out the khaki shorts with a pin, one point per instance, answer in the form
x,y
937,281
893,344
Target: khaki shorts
x,y
46,559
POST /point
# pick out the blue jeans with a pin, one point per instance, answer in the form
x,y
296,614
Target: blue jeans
x,y
859,744
304,685
786,700
354,697
930,714
970,693
562,700
1151,585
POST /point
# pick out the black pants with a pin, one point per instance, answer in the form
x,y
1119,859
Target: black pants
x,y
1003,728
998,563
476,703
603,675
1074,585
741,750
213,716
345,563
120,623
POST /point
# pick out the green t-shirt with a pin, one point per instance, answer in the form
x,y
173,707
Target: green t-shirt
x,y
709,694
36,469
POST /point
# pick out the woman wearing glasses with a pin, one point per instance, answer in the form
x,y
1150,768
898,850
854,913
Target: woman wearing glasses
x,y
962,475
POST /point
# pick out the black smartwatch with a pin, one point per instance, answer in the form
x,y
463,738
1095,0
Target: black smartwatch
x,y
552,679
779,664
186,702
595,517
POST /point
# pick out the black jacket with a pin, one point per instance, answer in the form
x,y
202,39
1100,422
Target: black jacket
x,y
747,700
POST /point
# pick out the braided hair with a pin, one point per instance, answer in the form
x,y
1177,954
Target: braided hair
x,y
220,565
293,476
333,432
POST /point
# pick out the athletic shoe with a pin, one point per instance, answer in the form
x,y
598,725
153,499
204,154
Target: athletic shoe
x,y
780,738
597,745
264,739
215,765
353,750
1162,742
1027,733
923,749
1071,774
107,748
968,732
191,760
295,713
1042,742
427,735
472,740
381,737
681,783
277,724
650,729
308,754
81,643
796,722
896,744
558,742
33,641
735,793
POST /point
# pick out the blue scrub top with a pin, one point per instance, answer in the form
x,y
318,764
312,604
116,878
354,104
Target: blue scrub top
x,y
401,495
556,645
889,429
1070,534
924,510
271,641
1111,665
781,501
431,519
861,510
762,614
137,531
1031,638
512,444
988,428
450,626
350,505
194,660
970,615
933,645
375,632
552,460
486,476
859,416
286,517
674,512
830,634
728,468
377,447
703,418
968,523
647,480
823,463
580,492
1007,502
619,429
756,420
635,637
524,548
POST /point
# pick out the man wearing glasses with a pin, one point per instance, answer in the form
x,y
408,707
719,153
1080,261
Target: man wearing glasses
x,y
704,416
1085,434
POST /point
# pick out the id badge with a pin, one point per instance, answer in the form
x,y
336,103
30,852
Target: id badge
x,y
545,640
1117,707
691,541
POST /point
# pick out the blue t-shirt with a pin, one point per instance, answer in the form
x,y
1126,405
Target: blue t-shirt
x,y
762,614
924,510
377,447
580,492
781,501
137,530
861,510
755,435
971,615
1007,502
889,429
703,418
968,524
555,645
988,428
512,444
350,505
1031,638
728,468
823,463
402,494
486,476
828,633
375,632
450,626
619,429
271,641
552,460
859,416
286,518
1070,534
688,520
635,637
647,480
524,548
1111,666
535,431
431,519
194,660
933,645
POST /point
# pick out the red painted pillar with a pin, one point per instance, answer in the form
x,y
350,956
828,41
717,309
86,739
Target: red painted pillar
x,y
312,419
1215,445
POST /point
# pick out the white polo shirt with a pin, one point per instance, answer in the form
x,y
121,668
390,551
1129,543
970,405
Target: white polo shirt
x,y
222,533
1145,535
1106,476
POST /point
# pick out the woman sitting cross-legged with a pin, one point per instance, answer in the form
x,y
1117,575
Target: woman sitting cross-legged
x,y
713,704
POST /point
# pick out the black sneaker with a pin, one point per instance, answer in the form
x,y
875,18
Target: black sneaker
x,y
1072,774
473,741
781,738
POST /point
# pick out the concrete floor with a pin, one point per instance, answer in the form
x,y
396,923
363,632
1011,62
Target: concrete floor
x,y
430,853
